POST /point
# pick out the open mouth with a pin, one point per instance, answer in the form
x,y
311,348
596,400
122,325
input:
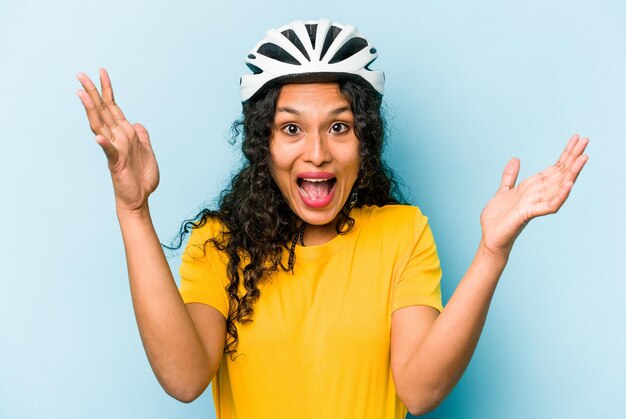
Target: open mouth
x,y
316,189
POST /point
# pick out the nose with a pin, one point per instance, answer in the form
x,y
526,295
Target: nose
x,y
316,149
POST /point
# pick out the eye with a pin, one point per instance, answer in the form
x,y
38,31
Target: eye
x,y
339,127
291,129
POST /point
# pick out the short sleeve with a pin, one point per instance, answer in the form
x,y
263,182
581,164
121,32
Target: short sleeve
x,y
202,272
419,282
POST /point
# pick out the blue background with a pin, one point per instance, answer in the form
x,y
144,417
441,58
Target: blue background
x,y
470,84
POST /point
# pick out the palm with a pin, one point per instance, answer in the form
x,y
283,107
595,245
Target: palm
x,y
137,175
132,163
513,207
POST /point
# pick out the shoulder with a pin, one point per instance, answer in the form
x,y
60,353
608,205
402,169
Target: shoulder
x,y
209,228
393,211
394,219
204,234
395,233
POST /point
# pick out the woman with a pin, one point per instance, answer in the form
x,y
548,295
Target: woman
x,y
321,289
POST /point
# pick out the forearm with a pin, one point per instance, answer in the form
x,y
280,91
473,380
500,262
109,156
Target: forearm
x,y
439,362
171,342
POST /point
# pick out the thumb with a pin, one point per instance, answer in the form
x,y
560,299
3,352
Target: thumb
x,y
509,175
142,133
109,149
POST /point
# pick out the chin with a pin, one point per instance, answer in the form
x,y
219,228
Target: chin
x,y
318,217
319,220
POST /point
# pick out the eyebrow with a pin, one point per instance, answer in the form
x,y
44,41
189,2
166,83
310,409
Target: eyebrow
x,y
334,112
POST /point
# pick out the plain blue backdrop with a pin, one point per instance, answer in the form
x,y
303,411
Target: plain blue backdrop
x,y
469,85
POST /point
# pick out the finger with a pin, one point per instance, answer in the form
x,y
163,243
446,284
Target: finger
x,y
95,122
549,183
575,152
108,98
109,149
577,167
570,144
142,133
509,175
578,150
90,88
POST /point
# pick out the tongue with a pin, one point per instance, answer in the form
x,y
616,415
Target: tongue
x,y
316,190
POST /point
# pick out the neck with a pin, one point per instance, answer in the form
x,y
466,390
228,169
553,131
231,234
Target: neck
x,y
315,235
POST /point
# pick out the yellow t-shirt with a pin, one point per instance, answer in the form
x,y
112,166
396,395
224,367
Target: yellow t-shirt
x,y
318,346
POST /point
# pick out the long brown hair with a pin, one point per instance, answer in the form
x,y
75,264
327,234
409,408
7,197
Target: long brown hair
x,y
258,225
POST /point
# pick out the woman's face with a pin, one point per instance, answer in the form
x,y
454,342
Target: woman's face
x,y
314,150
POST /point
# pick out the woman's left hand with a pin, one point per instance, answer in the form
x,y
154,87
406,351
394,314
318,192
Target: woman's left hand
x,y
508,212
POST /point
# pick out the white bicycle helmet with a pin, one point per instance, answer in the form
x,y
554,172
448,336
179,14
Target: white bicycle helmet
x,y
310,51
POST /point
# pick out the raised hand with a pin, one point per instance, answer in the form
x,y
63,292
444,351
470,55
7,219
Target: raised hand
x,y
513,207
132,163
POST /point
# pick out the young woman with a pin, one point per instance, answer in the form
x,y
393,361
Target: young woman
x,y
321,289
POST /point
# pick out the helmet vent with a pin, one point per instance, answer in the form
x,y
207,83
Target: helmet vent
x,y
330,37
367,67
348,49
311,28
254,69
277,53
291,35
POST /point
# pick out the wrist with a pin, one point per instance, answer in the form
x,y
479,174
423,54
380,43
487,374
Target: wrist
x,y
495,255
125,214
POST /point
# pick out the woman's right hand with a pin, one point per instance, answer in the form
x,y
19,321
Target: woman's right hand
x,y
132,163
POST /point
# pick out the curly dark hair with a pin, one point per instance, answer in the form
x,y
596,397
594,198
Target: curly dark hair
x,y
258,225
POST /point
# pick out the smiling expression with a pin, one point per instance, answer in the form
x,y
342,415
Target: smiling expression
x,y
314,150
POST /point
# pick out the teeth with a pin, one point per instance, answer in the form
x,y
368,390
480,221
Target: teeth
x,y
314,180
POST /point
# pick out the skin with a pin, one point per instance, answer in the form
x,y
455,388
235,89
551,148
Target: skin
x,y
183,343
429,351
314,132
